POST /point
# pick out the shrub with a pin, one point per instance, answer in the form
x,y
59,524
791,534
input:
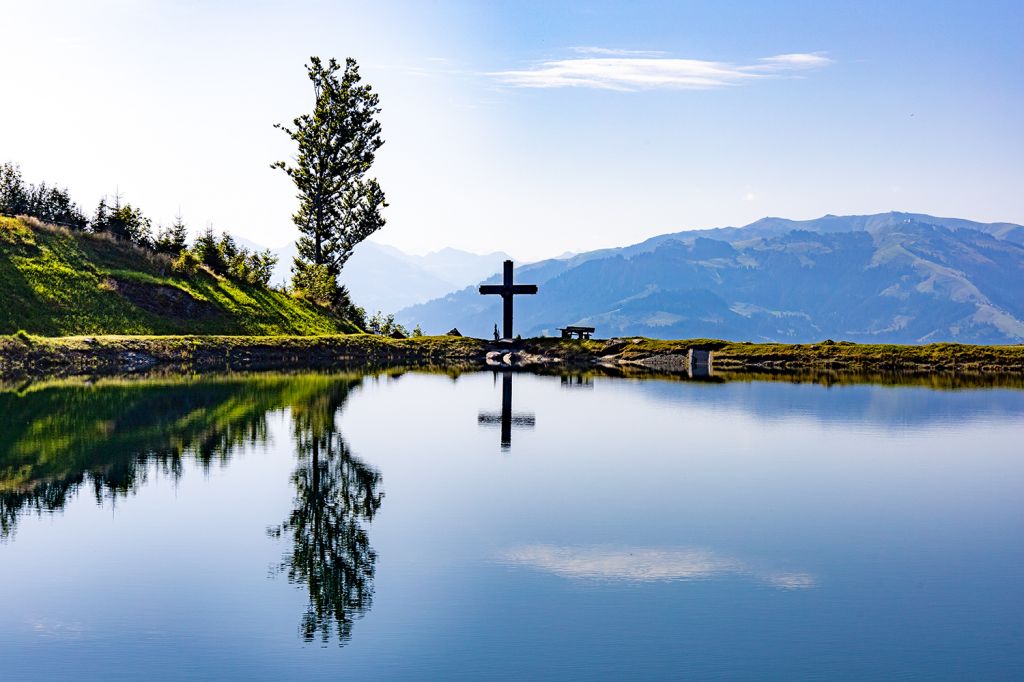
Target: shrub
x,y
346,308
186,264
260,265
385,325
254,267
314,282
208,251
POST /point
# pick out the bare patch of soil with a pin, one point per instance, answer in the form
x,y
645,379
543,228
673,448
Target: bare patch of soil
x,y
162,300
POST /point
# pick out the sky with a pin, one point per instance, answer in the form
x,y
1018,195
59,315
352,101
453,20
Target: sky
x,y
533,128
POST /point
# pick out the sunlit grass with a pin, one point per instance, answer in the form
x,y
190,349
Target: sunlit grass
x,y
56,283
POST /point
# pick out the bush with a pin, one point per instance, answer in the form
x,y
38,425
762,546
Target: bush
x,y
385,325
254,267
186,264
208,252
314,282
261,267
346,308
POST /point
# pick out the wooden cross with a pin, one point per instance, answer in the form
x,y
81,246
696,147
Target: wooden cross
x,y
506,419
507,290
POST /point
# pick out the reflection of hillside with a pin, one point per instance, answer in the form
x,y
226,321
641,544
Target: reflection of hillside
x,y
109,435
55,440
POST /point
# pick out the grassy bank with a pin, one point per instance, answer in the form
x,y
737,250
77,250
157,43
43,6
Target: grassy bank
x,y
56,282
28,355
826,356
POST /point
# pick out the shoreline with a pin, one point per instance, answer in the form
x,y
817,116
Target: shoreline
x,y
27,356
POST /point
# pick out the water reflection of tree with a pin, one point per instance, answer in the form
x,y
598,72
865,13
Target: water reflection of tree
x,y
335,494
111,437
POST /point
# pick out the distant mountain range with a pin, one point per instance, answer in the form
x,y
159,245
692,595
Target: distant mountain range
x,y
384,278
891,277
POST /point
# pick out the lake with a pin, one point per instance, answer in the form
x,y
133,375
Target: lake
x,y
415,525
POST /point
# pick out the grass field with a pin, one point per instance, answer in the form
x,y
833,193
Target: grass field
x,y
54,283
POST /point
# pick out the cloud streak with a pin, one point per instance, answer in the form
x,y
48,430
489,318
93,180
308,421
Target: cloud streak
x,y
640,564
616,52
624,71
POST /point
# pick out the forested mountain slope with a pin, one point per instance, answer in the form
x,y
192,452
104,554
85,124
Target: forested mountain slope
x,y
893,277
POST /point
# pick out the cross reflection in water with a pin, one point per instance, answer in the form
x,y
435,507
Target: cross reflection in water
x,y
506,419
577,381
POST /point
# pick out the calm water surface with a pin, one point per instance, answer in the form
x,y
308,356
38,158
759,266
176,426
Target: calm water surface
x,y
326,526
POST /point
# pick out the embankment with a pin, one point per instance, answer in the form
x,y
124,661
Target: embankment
x,y
24,355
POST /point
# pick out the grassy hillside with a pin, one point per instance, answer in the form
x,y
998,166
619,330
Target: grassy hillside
x,y
54,282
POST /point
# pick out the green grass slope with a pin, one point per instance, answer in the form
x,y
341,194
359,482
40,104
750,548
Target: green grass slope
x,y
54,283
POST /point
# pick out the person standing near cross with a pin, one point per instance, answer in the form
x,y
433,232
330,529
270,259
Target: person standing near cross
x,y
507,290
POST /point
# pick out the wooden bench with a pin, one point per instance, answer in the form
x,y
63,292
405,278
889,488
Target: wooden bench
x,y
580,332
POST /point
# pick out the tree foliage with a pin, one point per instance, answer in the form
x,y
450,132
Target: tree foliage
x,y
172,240
254,267
47,203
385,325
123,221
186,263
337,143
226,257
314,282
207,251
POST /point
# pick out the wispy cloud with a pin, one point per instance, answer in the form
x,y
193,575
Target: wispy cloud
x,y
629,71
630,564
639,564
616,52
797,60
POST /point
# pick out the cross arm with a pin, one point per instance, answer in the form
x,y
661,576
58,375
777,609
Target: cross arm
x,y
517,419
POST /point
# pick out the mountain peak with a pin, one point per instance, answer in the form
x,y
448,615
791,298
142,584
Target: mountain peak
x,y
889,277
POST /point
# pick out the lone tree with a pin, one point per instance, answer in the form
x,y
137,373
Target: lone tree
x,y
338,207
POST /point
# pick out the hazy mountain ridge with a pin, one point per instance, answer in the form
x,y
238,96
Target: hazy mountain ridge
x,y
893,277
382,277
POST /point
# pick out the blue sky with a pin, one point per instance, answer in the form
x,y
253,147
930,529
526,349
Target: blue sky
x,y
534,128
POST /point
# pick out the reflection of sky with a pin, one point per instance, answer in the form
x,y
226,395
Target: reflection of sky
x,y
643,564
888,407
737,531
